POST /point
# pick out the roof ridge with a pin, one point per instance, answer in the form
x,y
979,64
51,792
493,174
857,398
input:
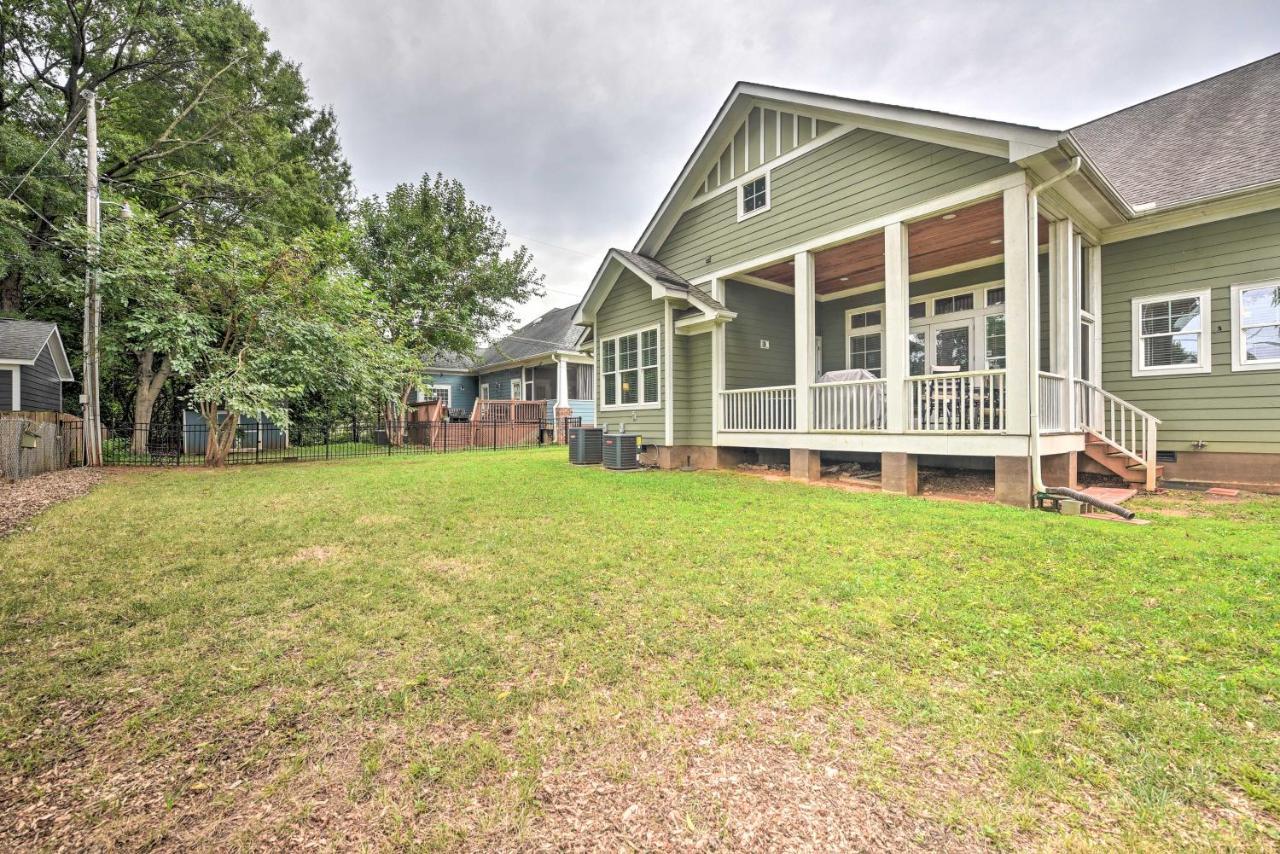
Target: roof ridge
x,y
1182,88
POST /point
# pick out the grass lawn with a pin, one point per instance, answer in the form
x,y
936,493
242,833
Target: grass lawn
x,y
499,651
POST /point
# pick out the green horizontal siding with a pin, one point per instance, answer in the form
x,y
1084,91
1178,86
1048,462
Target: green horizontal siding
x,y
762,315
629,306
855,177
692,374
1231,411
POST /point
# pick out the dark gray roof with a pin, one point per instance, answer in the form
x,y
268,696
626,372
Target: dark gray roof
x,y
671,279
22,340
1213,137
449,360
554,331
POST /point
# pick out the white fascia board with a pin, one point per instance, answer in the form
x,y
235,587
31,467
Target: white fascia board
x,y
59,354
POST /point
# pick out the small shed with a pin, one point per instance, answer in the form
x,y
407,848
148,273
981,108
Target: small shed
x,y
33,366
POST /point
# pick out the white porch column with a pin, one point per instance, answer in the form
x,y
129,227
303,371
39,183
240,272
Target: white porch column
x,y
1020,345
562,383
1062,296
804,311
717,365
668,374
897,295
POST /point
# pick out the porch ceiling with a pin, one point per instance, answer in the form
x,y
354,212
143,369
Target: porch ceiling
x,y
963,236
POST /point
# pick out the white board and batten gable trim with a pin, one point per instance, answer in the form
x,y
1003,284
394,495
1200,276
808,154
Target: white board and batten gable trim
x,y
1001,139
607,276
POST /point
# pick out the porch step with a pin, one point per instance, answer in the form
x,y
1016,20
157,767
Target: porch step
x,y
1117,462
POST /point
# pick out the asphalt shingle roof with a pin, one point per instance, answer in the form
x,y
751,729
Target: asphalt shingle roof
x,y
22,340
1213,137
669,278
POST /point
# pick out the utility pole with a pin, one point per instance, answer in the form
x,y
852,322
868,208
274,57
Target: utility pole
x,y
92,300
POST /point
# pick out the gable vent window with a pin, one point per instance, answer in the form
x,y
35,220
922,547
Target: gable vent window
x,y
753,197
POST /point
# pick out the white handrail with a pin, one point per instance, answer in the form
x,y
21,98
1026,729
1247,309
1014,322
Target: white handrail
x,y
764,409
968,402
1119,424
850,406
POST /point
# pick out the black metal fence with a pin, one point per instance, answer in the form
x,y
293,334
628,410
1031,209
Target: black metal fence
x,y
254,442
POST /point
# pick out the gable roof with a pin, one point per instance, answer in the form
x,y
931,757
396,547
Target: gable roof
x,y
22,340
1218,136
1002,139
662,281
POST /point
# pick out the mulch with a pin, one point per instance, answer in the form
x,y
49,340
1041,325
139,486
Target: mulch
x,y
23,499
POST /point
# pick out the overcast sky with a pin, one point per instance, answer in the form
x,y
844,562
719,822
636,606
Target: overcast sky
x,y
571,119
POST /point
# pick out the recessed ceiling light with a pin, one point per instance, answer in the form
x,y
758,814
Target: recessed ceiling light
x,y
792,262
844,278
997,240
948,216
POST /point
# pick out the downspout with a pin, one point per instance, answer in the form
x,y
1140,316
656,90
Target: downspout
x,y
1033,302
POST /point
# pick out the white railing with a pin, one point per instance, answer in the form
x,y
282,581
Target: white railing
x,y
1053,416
1119,423
849,407
970,402
759,409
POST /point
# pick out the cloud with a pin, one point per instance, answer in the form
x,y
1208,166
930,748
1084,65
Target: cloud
x,y
571,120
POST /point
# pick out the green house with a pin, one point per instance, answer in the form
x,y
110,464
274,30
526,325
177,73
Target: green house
x,y
835,278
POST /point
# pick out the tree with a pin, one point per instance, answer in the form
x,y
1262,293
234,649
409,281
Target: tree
x,y
440,268
278,321
202,125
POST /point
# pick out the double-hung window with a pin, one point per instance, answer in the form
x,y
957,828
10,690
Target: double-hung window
x,y
629,369
1255,327
1171,334
865,343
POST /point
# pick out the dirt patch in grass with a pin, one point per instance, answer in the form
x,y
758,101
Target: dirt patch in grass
x,y
313,554
23,499
714,778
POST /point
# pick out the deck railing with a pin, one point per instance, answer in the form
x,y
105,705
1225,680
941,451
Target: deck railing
x,y
1053,416
969,402
1119,423
849,407
768,409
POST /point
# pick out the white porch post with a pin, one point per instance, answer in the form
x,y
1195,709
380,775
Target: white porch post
x,y
804,311
717,366
668,374
1063,299
562,383
1020,343
897,295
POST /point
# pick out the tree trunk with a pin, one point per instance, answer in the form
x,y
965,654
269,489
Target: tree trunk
x,y
11,292
221,436
151,381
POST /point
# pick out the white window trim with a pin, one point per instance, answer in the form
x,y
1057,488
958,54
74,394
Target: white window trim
x,y
419,396
516,389
609,407
849,332
1237,329
768,195
977,316
1204,361
484,391
448,393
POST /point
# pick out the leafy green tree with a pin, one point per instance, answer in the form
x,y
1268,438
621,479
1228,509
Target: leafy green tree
x,y
200,123
440,268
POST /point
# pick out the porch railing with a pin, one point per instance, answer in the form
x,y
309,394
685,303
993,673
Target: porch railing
x,y
969,402
1053,416
849,407
1117,422
768,409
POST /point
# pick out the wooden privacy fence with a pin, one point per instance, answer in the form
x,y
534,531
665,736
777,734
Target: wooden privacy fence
x,y
29,447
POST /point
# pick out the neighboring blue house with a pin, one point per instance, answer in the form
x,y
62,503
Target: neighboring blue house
x,y
33,366
542,360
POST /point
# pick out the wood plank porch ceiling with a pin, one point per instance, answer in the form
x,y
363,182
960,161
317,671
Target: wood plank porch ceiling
x,y
963,236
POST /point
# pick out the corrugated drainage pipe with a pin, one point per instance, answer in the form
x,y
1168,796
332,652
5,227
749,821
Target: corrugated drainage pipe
x,y
1122,512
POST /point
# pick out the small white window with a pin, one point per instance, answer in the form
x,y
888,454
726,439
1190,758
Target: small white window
x,y
754,197
1255,327
1171,334
918,310
442,394
952,304
516,387
484,391
865,343
995,296
995,339
629,369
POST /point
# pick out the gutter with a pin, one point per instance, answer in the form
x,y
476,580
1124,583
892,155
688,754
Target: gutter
x,y
1033,302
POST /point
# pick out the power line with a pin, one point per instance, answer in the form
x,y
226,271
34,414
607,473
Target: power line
x,y
70,123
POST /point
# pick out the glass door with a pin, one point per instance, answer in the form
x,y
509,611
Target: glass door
x,y
952,347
